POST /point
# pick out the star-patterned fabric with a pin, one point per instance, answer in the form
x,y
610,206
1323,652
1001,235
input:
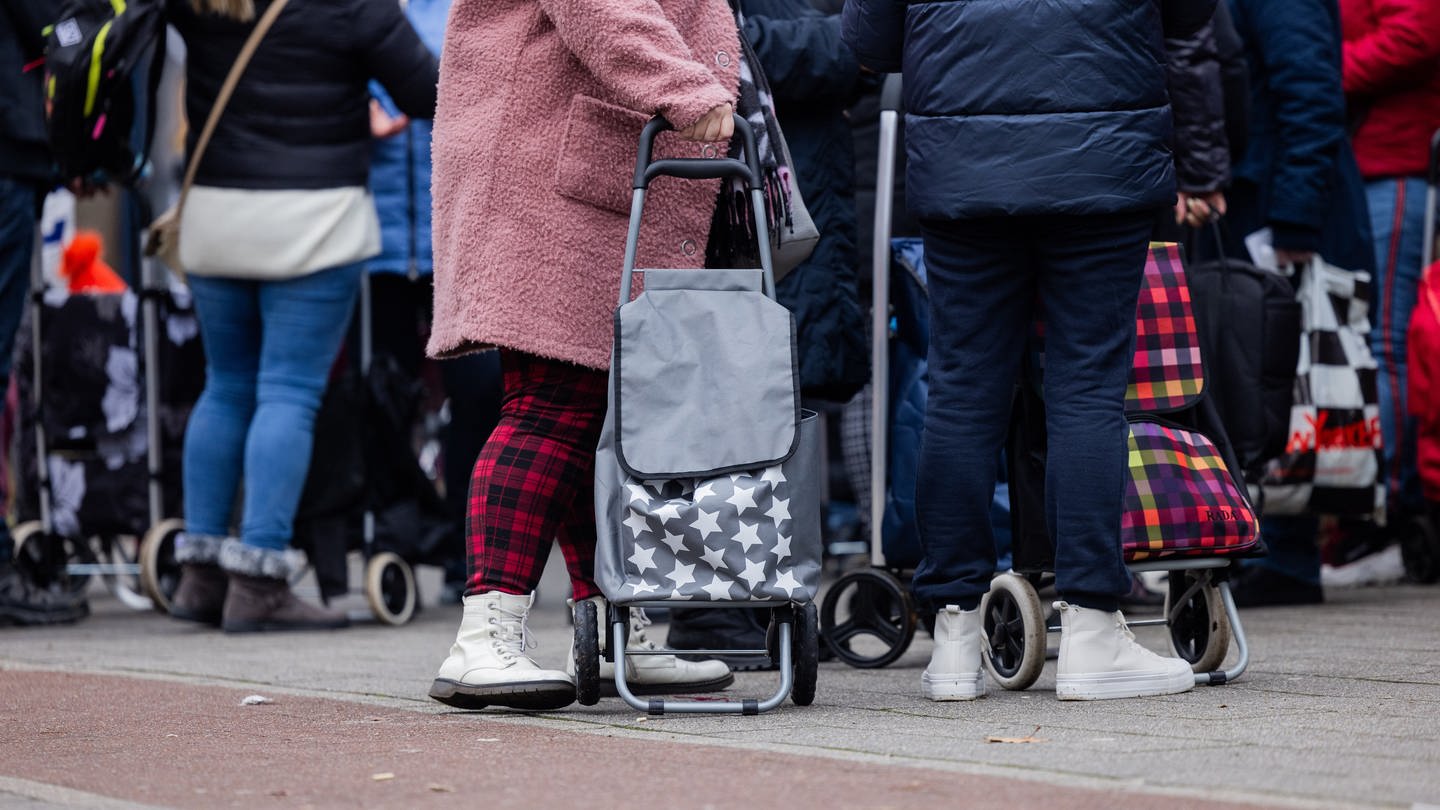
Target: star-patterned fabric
x,y
724,539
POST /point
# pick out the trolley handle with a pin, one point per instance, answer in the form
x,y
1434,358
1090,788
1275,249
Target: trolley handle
x,y
647,168
892,92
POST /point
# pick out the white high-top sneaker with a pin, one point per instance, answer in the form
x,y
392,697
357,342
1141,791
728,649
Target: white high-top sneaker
x,y
954,672
489,664
653,674
1100,659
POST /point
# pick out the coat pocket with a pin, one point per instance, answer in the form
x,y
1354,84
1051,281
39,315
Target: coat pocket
x,y
597,155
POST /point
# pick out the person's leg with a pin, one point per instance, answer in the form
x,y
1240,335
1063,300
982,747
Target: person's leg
x,y
1090,284
1397,220
528,482
19,218
981,303
982,296
303,322
473,387
533,472
21,601
1090,278
228,311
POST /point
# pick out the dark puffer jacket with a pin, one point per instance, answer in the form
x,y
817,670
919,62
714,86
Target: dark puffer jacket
x,y
814,77
1202,152
300,117
1030,106
24,152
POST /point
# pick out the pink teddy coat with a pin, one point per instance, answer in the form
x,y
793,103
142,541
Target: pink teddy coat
x,y
540,108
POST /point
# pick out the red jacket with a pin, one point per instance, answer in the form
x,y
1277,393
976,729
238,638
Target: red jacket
x,y
1392,80
1424,404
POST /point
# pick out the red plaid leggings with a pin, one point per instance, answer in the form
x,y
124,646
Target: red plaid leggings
x,y
534,481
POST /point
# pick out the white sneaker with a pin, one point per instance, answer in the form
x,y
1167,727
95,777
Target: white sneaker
x,y
489,664
1100,659
954,672
653,674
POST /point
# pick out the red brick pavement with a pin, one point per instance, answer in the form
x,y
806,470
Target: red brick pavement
x,y
180,745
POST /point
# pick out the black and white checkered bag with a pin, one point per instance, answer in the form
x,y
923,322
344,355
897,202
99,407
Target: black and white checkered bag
x,y
1332,461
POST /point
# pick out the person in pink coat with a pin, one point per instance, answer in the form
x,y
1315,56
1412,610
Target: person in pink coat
x,y
541,103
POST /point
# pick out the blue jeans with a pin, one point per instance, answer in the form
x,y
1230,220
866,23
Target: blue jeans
x,y
1397,219
269,347
19,216
985,276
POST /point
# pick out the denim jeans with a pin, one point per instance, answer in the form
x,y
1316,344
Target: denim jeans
x,y
19,216
1397,219
985,277
269,347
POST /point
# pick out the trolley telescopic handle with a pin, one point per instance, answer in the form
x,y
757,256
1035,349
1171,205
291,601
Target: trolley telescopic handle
x,y
1432,180
747,171
890,97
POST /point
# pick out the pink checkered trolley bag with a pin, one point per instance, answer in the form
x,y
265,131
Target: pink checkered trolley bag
x,y
1187,511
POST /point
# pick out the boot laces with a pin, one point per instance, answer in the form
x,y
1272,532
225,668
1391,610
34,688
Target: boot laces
x,y
512,636
639,620
1125,630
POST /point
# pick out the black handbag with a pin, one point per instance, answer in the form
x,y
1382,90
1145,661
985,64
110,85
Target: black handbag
x,y
1249,324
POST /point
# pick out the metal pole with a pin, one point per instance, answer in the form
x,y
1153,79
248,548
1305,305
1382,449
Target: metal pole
x,y
367,356
880,333
150,291
37,354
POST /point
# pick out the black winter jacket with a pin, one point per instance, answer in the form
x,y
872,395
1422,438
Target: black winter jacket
x,y
1030,106
24,152
814,77
299,119
1202,151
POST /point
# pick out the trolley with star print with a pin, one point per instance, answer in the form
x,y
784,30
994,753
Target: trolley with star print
x,y
707,473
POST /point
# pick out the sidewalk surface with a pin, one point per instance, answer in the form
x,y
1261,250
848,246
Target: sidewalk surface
x,y
1340,708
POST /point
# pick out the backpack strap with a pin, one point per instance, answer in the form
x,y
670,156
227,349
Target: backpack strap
x,y
226,90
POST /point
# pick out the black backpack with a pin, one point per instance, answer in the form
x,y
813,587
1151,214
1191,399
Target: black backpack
x,y
93,96
1249,323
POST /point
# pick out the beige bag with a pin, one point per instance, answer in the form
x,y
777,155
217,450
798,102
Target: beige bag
x,y
163,237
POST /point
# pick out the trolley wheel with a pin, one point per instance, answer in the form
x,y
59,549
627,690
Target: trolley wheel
x,y
587,653
45,557
1195,614
1420,549
879,615
159,572
1013,624
805,649
390,588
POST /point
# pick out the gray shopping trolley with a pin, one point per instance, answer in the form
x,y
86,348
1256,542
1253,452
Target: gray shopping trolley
x,y
707,472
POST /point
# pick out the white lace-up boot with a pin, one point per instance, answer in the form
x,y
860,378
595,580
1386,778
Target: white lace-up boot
x,y
1100,659
653,674
490,665
954,672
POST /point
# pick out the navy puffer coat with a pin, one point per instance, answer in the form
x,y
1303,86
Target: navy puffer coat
x,y
1029,106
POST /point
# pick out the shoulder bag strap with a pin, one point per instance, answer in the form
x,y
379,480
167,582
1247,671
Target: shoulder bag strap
x,y
226,90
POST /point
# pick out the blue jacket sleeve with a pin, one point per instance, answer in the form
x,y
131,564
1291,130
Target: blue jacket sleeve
x,y
1300,49
804,58
875,31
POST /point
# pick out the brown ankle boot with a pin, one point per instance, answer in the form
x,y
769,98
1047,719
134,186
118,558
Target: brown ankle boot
x,y
259,596
201,593
200,596
256,604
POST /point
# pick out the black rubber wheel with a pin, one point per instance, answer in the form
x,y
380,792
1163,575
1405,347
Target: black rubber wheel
x,y
1420,549
45,558
587,653
390,588
1195,616
877,610
1013,631
805,648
